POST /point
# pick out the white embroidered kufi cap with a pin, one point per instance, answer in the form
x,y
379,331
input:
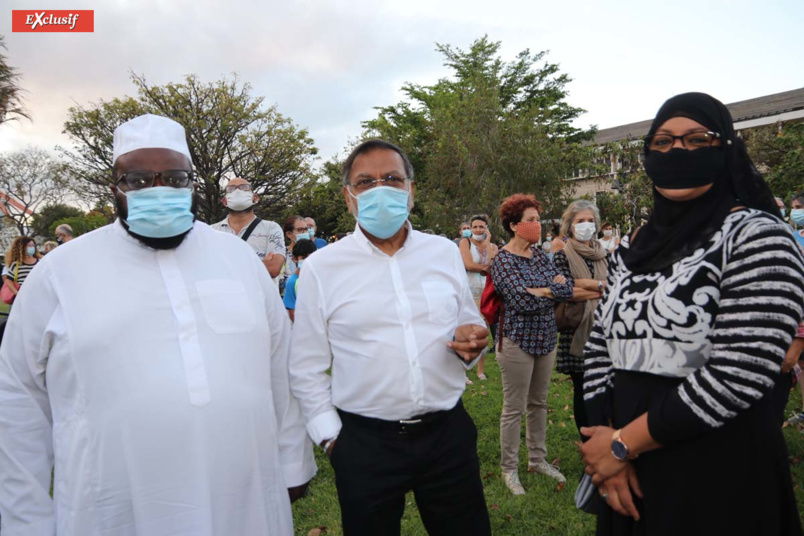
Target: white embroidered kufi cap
x,y
149,132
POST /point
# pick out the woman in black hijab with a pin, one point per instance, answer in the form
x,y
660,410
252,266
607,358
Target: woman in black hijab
x,y
701,305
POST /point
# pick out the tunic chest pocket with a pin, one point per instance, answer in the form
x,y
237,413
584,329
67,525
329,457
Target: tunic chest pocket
x,y
226,306
442,302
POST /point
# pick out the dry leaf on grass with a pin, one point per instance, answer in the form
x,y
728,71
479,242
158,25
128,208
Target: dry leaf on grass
x,y
566,408
560,486
556,462
318,531
494,507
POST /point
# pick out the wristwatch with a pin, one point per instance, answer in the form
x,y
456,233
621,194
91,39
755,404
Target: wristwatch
x,y
618,447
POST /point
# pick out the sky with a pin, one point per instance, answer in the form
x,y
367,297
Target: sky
x,y
326,64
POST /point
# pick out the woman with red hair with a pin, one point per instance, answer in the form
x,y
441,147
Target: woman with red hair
x,y
529,285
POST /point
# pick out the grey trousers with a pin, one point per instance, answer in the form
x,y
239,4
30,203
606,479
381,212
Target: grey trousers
x,y
526,380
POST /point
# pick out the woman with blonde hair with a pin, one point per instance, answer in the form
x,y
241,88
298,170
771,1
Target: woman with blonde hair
x,y
20,260
583,259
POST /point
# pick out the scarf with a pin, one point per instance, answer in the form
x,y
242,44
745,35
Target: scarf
x,y
576,253
675,229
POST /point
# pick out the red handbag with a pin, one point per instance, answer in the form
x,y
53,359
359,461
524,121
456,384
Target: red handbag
x,y
490,302
5,293
492,308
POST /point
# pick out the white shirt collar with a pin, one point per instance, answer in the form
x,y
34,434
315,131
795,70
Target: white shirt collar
x,y
363,241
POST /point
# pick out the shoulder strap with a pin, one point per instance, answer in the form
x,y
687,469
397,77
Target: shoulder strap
x,y
253,225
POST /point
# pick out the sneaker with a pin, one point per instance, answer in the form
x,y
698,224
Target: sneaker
x,y
544,468
481,377
512,482
796,419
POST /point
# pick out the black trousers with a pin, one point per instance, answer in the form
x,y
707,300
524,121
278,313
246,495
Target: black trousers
x,y
377,462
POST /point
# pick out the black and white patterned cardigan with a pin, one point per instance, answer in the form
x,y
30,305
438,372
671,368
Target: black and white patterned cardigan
x,y
720,320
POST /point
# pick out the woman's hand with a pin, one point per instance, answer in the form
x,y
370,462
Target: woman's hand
x,y
616,491
600,461
540,292
560,279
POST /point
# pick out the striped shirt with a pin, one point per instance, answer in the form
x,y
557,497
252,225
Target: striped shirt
x,y
24,270
720,320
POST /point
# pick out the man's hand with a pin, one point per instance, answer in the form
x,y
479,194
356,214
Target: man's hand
x,y
298,492
600,462
793,355
616,491
470,340
273,263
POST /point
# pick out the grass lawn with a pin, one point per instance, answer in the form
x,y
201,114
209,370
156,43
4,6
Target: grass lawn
x,y
545,508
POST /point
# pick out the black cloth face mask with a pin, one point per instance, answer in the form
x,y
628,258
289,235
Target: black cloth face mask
x,y
675,229
681,168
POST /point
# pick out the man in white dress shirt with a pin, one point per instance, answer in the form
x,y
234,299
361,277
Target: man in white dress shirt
x,y
149,359
390,311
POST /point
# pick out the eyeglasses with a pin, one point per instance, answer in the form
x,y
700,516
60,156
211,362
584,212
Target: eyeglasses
x,y
244,187
391,180
692,140
301,229
174,178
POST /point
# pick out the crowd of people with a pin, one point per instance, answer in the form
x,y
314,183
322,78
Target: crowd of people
x,y
179,375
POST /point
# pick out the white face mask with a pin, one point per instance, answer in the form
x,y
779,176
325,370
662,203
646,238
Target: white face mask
x,y
607,233
239,200
585,231
479,237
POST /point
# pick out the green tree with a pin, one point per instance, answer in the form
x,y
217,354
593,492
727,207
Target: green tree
x,y
322,199
629,205
11,107
44,217
229,131
80,224
490,129
778,152
29,179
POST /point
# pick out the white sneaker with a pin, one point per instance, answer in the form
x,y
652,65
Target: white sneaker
x,y
512,481
545,468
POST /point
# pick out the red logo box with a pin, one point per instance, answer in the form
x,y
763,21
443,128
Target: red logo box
x,y
45,20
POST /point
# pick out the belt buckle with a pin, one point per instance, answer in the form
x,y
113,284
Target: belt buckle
x,y
404,424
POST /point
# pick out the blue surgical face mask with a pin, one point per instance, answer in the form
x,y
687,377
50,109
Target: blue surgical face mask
x,y
299,263
466,233
797,215
383,210
302,236
30,251
783,211
160,211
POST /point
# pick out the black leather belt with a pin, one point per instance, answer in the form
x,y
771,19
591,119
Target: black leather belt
x,y
415,425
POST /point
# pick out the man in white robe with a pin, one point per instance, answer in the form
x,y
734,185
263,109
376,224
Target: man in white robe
x,y
152,370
